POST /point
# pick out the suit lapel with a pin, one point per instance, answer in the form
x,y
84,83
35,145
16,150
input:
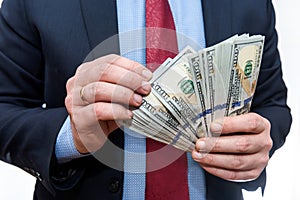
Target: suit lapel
x,y
101,23
217,20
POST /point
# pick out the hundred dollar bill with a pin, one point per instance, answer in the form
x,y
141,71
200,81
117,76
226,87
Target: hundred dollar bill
x,y
196,63
223,58
175,89
160,134
246,60
196,88
209,60
210,69
216,83
152,115
141,128
169,63
162,68
153,108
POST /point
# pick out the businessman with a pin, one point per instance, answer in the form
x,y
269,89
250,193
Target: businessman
x,y
66,79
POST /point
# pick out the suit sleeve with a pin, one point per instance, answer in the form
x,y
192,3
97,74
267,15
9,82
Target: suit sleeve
x,y
270,96
270,99
27,130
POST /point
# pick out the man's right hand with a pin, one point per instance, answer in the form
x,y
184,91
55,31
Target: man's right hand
x,y
101,92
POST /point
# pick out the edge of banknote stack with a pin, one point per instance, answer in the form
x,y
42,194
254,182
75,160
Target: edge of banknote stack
x,y
194,89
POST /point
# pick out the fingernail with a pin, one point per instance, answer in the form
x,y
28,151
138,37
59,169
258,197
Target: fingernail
x,y
137,98
199,155
147,74
146,86
216,127
201,145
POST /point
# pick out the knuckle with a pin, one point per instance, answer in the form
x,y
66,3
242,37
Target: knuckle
x,y
217,145
130,80
121,92
264,160
68,103
81,68
253,122
268,124
238,162
107,70
111,58
266,143
99,60
68,100
209,159
130,77
243,145
232,175
134,65
269,144
99,111
70,84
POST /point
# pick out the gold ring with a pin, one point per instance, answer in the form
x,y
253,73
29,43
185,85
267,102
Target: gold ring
x,y
82,95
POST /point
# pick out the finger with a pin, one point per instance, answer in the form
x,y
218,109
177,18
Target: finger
x,y
70,84
120,76
111,111
232,144
237,162
248,123
69,97
102,111
127,64
233,167
112,68
112,74
106,92
232,175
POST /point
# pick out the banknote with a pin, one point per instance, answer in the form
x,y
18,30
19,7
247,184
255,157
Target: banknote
x,y
195,88
175,89
196,63
246,61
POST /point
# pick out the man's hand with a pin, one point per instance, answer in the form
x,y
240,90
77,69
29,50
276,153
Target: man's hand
x,y
242,150
101,92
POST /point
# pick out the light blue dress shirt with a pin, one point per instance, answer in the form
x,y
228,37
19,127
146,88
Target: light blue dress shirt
x,y
188,21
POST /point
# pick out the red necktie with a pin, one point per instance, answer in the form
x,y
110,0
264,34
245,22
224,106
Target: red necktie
x,y
169,182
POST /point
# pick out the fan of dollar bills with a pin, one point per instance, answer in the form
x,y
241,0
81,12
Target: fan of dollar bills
x,y
196,88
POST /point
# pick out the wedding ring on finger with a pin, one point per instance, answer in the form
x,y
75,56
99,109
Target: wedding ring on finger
x,y
81,93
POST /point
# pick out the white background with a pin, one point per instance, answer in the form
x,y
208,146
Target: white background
x,y
283,171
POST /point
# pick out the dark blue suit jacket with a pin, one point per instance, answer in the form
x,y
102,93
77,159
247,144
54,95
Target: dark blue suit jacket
x,y
43,42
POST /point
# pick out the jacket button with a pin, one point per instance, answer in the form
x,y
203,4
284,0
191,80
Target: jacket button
x,y
114,185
